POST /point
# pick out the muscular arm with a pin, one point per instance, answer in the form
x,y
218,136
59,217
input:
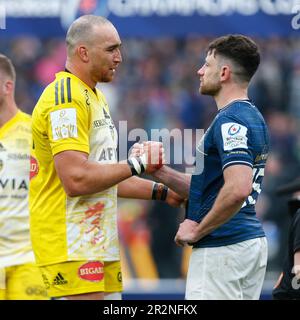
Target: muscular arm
x,y
80,176
237,187
135,188
177,181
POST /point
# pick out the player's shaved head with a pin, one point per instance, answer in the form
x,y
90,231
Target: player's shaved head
x,y
7,69
82,30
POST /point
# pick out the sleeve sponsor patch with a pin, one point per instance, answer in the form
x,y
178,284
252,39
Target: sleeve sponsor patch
x,y
234,136
64,124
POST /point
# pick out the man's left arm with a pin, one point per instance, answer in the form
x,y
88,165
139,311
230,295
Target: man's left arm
x,y
237,187
139,188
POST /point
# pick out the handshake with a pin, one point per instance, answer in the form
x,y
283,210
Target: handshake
x,y
146,157
149,157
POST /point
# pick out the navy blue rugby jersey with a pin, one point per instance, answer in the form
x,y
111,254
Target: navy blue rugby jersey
x,y
238,135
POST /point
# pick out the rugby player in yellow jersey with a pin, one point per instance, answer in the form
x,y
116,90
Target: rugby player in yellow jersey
x,y
76,178
20,278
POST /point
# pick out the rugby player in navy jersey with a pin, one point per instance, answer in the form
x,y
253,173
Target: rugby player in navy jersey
x,y
229,255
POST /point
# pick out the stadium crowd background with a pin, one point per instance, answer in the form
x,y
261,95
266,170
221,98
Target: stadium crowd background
x,y
157,87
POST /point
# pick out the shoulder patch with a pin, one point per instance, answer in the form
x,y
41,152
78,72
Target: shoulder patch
x,y
64,123
234,136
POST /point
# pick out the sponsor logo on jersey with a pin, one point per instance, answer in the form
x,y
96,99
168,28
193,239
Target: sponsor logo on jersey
x,y
13,184
37,291
34,167
101,123
108,154
64,124
59,280
234,129
17,156
234,136
92,271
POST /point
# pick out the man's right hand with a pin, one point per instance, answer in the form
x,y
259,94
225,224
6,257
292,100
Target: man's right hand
x,y
152,153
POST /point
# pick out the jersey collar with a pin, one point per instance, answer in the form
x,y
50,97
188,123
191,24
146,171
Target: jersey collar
x,y
10,123
234,101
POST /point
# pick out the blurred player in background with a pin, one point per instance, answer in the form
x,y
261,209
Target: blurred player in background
x,y
229,246
20,278
77,178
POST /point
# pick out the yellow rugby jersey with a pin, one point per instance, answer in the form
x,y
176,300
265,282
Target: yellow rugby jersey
x,y
71,116
15,141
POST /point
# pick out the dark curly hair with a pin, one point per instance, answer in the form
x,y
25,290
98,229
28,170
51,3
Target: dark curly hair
x,y
241,50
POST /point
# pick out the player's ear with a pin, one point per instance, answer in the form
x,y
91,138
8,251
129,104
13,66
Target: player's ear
x,y
83,53
225,73
8,87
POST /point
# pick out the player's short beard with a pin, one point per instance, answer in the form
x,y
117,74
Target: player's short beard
x,y
104,78
211,89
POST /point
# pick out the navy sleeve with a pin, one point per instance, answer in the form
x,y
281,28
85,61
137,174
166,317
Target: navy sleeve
x,y
233,142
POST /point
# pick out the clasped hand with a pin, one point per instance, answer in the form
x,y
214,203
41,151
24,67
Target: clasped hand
x,y
155,154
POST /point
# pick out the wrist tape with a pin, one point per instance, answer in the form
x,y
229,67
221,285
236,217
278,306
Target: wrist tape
x,y
159,192
137,165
